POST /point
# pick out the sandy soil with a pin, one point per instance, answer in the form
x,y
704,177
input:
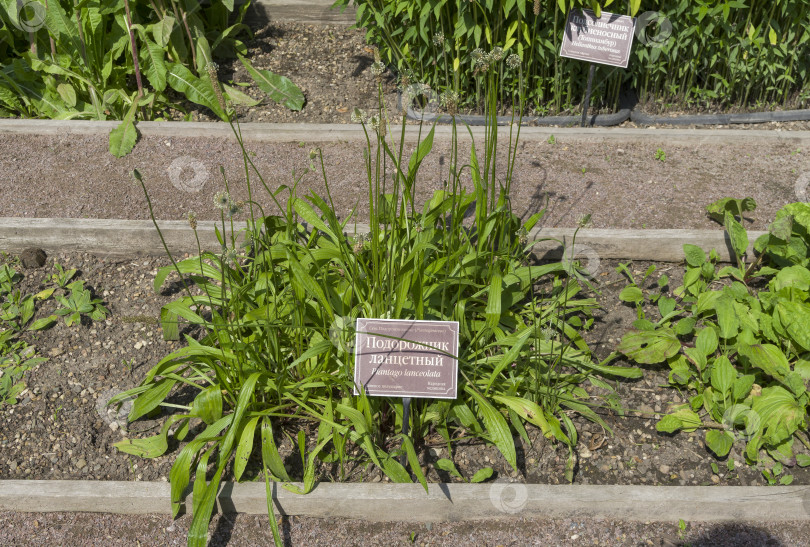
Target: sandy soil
x,y
620,184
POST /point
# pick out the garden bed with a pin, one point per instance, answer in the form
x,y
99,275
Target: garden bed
x,y
331,64
61,428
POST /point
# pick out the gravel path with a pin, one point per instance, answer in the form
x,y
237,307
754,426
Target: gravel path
x,y
620,184
237,530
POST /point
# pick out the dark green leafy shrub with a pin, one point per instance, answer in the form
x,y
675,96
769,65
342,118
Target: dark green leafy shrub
x,y
123,60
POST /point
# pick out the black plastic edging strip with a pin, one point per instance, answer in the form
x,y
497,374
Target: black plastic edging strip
x,y
607,120
723,119
602,120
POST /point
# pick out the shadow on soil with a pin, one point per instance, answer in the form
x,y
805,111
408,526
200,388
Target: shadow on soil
x,y
730,534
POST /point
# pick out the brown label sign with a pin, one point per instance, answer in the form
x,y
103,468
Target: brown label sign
x,y
400,358
606,39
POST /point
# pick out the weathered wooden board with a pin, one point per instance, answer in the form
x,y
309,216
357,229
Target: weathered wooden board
x,y
126,237
442,503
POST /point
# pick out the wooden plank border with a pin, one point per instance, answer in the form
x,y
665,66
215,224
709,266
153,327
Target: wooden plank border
x,y
335,132
126,237
443,502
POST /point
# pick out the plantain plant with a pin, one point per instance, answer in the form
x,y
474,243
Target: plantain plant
x,y
276,304
18,313
123,60
737,338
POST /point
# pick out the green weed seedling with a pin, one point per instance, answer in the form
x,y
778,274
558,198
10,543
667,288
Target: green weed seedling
x,y
16,309
775,475
62,277
16,358
681,529
480,476
660,155
80,302
633,293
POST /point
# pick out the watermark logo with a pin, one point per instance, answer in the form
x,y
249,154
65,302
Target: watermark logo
x,y
111,414
30,15
581,258
342,334
419,99
802,187
509,497
653,29
188,174
741,421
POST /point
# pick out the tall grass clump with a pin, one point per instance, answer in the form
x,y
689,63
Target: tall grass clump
x,y
277,303
718,55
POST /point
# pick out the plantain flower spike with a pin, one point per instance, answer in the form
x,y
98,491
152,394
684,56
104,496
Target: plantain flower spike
x,y
222,200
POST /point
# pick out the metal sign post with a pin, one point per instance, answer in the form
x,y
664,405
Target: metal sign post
x,y
591,72
406,418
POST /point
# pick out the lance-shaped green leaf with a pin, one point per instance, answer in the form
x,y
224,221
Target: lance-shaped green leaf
x,y
196,90
236,96
493,309
162,30
684,418
706,341
124,136
736,233
727,316
723,375
278,87
154,66
207,404
497,428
